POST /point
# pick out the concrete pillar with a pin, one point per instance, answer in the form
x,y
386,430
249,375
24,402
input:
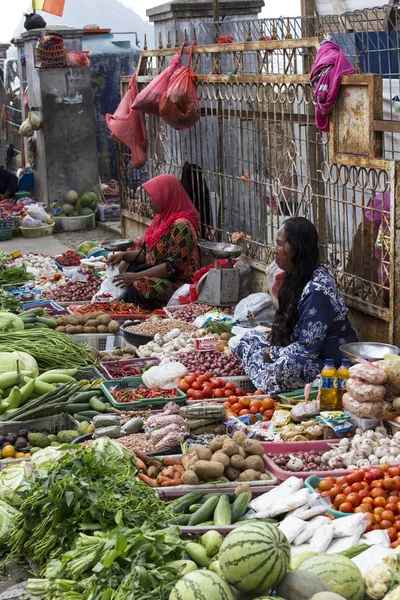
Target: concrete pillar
x,y
181,15
66,151
3,147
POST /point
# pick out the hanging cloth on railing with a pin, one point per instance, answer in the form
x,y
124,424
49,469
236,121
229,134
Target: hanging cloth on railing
x,y
325,77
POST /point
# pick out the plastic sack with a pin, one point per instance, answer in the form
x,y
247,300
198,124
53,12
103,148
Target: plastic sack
x,y
180,105
274,279
254,310
128,126
148,100
78,59
109,287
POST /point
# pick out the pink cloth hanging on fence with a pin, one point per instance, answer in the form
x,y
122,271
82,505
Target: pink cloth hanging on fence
x,y
326,76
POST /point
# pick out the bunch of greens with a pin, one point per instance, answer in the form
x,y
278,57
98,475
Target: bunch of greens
x,y
122,564
88,489
9,303
14,275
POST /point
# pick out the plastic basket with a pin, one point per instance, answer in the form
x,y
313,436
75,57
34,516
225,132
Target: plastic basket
x,y
312,483
37,232
100,341
134,382
6,234
138,362
88,373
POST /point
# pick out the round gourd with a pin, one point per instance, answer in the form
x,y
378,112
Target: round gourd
x,y
201,585
301,585
339,572
67,209
71,197
254,557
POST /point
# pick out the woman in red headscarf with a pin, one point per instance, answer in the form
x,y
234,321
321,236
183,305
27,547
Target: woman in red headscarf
x,y
169,255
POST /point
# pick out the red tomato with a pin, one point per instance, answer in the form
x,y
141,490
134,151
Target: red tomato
x,y
354,499
346,507
198,395
207,391
239,392
184,386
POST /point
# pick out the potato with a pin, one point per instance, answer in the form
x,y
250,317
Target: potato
x,y
190,478
243,488
252,447
249,475
232,474
60,329
239,437
207,470
242,452
216,445
113,327
221,458
237,461
203,453
254,462
230,448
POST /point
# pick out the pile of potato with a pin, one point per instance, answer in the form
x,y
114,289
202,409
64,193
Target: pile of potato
x,y
226,459
94,323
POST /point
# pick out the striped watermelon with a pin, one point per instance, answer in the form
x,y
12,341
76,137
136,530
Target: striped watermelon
x,y
339,572
254,557
202,585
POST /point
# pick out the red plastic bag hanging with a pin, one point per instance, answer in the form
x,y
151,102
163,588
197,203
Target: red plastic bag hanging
x,y
148,100
128,126
180,105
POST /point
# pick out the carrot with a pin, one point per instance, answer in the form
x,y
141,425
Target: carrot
x,y
151,482
142,456
168,461
140,465
152,472
185,460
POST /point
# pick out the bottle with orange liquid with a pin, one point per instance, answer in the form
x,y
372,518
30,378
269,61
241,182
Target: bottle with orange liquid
x,y
328,387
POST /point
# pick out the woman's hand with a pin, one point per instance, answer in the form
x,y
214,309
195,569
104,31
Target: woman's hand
x,y
125,279
115,258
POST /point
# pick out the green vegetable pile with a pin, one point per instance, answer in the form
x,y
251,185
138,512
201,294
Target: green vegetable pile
x,y
51,349
14,275
9,303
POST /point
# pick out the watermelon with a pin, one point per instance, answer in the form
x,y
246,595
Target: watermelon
x,y
201,585
254,557
339,572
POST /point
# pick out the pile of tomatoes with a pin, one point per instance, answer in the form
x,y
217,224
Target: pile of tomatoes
x,y
256,409
374,491
201,386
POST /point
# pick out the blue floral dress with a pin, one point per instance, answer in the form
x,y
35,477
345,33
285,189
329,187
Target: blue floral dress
x,y
322,328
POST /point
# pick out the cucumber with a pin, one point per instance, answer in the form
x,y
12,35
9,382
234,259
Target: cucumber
x,y
240,505
181,504
71,409
223,511
97,404
205,512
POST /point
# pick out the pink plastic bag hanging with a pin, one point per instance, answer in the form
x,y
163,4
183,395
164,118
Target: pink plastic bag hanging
x,y
148,99
128,126
180,105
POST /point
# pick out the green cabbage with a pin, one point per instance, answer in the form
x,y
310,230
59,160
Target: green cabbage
x,y
8,362
10,322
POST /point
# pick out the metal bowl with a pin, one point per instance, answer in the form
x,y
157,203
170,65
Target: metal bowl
x,y
117,244
220,250
136,339
368,350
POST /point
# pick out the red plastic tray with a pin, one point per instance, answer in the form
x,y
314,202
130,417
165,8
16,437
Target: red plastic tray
x,y
139,362
282,475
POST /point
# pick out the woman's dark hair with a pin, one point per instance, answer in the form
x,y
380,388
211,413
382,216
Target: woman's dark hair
x,y
302,238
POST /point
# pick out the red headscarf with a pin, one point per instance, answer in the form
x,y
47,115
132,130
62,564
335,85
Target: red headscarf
x,y
168,193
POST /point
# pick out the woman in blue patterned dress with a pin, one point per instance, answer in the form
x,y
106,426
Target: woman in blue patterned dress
x,y
310,324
